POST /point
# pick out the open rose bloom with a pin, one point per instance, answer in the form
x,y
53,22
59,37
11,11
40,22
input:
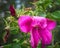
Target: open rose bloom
x,y
39,27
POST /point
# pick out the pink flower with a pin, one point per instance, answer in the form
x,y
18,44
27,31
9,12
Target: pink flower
x,y
12,10
39,28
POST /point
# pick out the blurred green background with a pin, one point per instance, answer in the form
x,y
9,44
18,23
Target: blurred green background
x,y
11,36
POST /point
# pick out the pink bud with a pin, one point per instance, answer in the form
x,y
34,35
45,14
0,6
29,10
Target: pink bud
x,y
12,10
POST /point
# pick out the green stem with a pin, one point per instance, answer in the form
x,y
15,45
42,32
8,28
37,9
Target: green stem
x,y
53,40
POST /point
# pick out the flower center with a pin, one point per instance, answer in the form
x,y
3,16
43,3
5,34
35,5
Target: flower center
x,y
36,26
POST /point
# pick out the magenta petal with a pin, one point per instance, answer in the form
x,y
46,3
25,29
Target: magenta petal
x,y
43,45
24,23
46,36
41,21
34,38
51,24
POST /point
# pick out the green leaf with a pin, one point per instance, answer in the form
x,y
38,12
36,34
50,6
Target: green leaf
x,y
49,47
56,14
7,46
13,45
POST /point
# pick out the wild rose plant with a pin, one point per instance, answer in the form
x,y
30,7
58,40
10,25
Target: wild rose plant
x,y
40,29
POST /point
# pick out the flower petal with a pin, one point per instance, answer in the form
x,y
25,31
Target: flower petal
x,y
34,37
24,23
51,24
40,21
46,36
